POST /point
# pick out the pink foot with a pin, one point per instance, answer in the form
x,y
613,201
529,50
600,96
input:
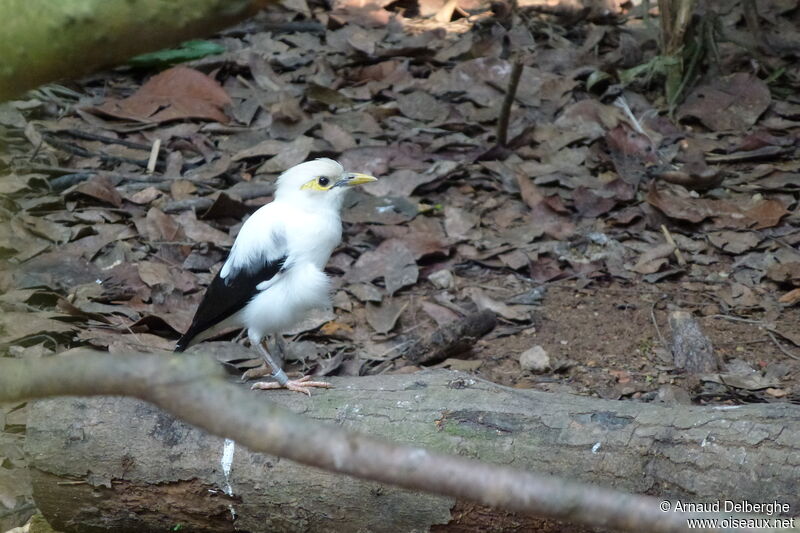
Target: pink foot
x,y
298,385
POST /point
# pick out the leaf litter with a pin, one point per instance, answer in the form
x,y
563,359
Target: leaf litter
x,y
619,210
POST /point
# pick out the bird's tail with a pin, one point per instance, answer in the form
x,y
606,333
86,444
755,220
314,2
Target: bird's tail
x,y
184,342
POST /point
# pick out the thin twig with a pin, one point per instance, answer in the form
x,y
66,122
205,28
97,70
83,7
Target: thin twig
x,y
505,110
86,136
780,346
737,319
655,323
151,163
678,253
770,333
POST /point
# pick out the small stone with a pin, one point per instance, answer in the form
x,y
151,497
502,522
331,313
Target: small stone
x,y
442,279
535,360
776,393
670,394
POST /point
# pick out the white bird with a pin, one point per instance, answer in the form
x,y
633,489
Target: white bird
x,y
274,273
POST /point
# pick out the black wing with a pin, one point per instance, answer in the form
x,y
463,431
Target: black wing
x,y
224,297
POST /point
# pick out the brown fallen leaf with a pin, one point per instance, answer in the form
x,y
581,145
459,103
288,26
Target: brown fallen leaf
x,y
182,189
337,136
314,320
458,222
145,196
175,94
266,148
392,260
441,314
158,226
336,329
420,105
631,152
383,317
785,272
400,183
365,292
590,205
153,273
519,313
385,210
200,231
542,217
56,270
791,297
120,343
678,204
378,160
41,227
653,259
727,103
100,188
735,242
16,326
294,153
366,14
740,380
766,214
739,295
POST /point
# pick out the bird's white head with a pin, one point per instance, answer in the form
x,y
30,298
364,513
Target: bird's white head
x,y
318,183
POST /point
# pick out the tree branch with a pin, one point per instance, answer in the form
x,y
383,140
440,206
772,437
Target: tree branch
x,y
194,389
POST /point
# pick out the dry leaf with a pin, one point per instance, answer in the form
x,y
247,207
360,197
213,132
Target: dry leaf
x,y
177,93
728,103
99,188
518,313
392,260
383,317
791,297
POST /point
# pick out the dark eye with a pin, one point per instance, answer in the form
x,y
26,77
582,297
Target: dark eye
x,y
323,181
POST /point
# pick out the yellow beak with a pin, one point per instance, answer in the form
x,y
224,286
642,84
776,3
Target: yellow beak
x,y
352,179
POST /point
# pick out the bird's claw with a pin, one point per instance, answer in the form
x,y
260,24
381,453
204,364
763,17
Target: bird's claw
x,y
297,385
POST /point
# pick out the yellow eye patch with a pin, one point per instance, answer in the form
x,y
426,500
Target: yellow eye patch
x,y
321,183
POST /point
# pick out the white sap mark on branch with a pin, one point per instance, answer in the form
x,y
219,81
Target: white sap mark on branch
x,y
416,454
227,463
596,447
726,407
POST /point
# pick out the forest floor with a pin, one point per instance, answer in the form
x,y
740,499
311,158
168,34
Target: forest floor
x,y
562,232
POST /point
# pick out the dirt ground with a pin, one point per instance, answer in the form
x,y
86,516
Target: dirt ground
x,y
604,342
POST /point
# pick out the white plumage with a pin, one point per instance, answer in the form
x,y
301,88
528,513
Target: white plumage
x,y
275,272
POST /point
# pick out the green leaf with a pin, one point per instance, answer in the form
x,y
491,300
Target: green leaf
x,y
656,66
171,56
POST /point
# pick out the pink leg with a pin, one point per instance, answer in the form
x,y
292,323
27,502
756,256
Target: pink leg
x,y
298,385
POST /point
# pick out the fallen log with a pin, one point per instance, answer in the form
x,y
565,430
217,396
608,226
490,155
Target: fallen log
x,y
120,464
44,41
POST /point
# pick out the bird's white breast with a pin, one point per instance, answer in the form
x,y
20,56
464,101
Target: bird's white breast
x,y
309,238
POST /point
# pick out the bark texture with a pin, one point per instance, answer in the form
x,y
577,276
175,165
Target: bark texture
x,y
44,41
451,339
691,349
120,464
